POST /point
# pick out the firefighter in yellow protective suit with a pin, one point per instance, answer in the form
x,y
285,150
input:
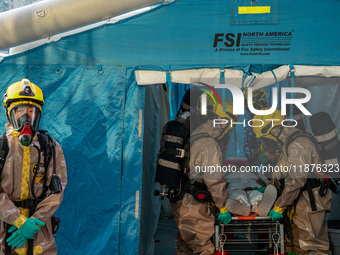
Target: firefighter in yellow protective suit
x,y
310,231
194,219
31,191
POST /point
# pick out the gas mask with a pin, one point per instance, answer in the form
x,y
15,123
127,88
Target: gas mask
x,y
26,135
273,148
25,117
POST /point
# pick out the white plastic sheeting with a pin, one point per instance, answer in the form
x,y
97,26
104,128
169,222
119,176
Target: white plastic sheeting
x,y
237,77
50,17
239,181
271,77
317,71
32,45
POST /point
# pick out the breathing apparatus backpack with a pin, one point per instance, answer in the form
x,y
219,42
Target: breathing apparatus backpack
x,y
327,144
172,155
173,162
326,134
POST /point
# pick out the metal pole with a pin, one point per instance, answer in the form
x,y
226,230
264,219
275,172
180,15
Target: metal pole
x,y
282,234
217,234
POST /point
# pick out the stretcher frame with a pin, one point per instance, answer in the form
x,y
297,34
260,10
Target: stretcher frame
x,y
250,225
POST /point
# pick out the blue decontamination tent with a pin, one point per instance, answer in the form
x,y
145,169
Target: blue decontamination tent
x,y
108,126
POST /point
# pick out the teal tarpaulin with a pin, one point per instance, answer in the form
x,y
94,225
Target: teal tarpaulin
x,y
99,119
98,129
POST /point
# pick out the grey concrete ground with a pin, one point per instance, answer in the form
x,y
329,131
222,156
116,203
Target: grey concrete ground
x,y
165,237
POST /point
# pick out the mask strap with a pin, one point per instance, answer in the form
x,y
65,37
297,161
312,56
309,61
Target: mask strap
x,y
277,137
224,131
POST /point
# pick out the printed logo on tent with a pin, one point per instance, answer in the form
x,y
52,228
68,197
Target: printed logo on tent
x,y
253,43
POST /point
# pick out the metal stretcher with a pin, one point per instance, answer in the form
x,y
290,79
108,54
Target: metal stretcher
x,y
249,234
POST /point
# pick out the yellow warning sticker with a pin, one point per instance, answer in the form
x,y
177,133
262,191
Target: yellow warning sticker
x,y
253,9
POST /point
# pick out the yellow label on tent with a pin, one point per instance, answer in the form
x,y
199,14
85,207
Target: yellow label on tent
x,y
253,9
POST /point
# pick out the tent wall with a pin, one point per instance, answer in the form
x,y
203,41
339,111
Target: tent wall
x,y
99,119
155,117
95,118
132,170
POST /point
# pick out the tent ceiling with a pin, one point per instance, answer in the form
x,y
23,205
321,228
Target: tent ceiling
x,y
183,35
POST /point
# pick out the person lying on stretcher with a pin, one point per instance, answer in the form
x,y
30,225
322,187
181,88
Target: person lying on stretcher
x,y
249,193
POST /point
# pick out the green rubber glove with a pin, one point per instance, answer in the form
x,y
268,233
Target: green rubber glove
x,y
275,215
30,228
16,240
11,229
224,216
261,189
26,231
